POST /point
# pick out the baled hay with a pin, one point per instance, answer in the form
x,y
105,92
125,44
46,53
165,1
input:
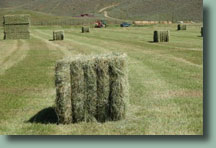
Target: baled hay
x,y
118,87
16,28
78,90
85,29
13,36
90,78
181,27
161,36
16,19
103,88
63,92
99,88
58,35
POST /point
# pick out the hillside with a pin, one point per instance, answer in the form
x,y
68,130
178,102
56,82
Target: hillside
x,y
126,9
174,10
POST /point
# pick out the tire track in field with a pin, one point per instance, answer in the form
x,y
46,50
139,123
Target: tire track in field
x,y
73,43
51,45
7,49
16,56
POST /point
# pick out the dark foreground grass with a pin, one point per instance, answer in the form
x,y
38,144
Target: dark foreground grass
x,y
166,82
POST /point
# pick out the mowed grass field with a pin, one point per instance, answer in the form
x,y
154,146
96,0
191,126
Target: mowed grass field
x,y
166,80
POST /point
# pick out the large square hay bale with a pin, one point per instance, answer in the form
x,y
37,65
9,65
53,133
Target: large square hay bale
x,y
201,31
97,88
16,36
161,36
16,26
16,19
85,29
58,35
181,27
63,92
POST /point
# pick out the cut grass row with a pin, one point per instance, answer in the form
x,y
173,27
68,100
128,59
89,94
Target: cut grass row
x,y
165,93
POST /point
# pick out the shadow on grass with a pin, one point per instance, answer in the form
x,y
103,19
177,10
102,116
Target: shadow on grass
x,y
152,42
45,116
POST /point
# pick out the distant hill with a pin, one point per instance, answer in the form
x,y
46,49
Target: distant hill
x,y
125,9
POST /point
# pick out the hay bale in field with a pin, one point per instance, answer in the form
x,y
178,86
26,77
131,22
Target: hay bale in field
x,y
63,92
103,88
16,26
58,35
201,31
99,88
78,90
181,27
85,29
161,36
15,36
16,19
90,77
118,87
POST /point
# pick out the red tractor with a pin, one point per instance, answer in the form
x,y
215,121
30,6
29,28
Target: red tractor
x,y
100,24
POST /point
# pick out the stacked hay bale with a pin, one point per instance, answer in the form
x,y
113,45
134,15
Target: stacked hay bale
x,y
85,29
181,27
201,31
16,26
161,36
58,35
92,88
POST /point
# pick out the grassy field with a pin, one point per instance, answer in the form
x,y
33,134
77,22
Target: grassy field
x,y
166,81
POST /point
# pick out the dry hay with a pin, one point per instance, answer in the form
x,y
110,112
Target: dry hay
x,y
22,19
145,22
161,36
58,35
181,27
16,26
85,29
99,88
165,22
63,92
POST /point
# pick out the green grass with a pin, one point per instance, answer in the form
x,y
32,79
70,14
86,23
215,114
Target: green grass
x,y
166,80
